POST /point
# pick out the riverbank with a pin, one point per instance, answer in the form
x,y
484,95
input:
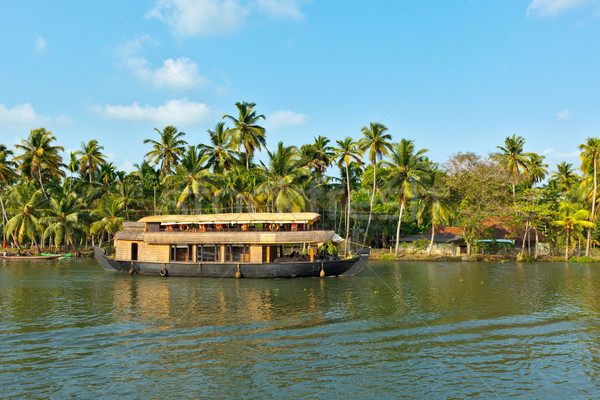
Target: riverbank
x,y
385,255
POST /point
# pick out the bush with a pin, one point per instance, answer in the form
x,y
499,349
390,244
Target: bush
x,y
583,259
421,244
388,257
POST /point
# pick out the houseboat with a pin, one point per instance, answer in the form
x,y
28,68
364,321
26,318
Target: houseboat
x,y
249,245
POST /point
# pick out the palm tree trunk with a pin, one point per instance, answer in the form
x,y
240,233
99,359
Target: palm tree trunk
x,y
536,245
432,237
567,247
589,233
372,200
398,227
41,183
524,240
154,186
347,216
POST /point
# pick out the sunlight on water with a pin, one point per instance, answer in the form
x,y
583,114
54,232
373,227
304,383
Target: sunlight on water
x,y
425,330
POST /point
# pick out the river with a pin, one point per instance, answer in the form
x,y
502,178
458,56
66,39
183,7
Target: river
x,y
404,329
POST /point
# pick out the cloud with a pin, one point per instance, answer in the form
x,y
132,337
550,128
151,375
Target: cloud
x,y
281,119
565,114
181,73
552,154
280,9
200,17
39,43
173,112
24,116
187,18
545,8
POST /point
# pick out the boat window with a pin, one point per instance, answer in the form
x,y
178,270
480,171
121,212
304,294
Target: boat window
x,y
180,252
237,253
207,253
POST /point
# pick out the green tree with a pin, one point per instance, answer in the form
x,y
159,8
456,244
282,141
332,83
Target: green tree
x,y
62,218
219,154
434,202
565,176
192,176
91,158
513,159
347,151
39,156
167,150
378,144
590,152
408,167
110,217
150,178
25,203
536,169
7,175
72,167
246,130
572,217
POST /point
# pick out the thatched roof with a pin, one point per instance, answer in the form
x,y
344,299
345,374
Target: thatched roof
x,y
235,218
134,225
130,234
237,237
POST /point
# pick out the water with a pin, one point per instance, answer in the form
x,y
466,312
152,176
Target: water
x,y
412,330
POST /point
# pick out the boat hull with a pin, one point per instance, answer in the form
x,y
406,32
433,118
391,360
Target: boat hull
x,y
346,267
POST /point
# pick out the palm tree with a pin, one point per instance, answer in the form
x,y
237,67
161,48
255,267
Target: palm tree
x,y
72,167
283,186
62,218
572,218
39,156
407,168
167,150
512,158
149,176
565,176
128,191
110,217
25,203
536,169
377,142
91,158
434,202
192,175
245,130
7,175
220,157
590,152
347,151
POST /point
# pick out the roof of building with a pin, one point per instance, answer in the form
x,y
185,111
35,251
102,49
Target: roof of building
x,y
235,218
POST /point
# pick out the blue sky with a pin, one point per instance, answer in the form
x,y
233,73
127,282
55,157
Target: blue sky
x,y
452,75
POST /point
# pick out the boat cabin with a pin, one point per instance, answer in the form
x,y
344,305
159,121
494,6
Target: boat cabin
x,y
223,238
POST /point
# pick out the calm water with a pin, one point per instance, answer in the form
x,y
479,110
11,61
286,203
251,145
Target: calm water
x,y
414,330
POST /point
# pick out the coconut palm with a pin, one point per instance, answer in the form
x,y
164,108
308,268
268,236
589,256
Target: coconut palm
x,y
590,153
246,130
62,218
408,167
25,203
192,175
219,154
347,151
565,176
110,217
283,185
378,144
7,175
91,158
434,203
39,157
536,169
572,218
72,167
150,178
168,150
128,191
512,158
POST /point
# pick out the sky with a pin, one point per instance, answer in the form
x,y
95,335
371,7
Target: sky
x,y
453,76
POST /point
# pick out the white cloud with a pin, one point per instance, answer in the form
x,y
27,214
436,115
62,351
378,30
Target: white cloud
x,y
39,43
285,118
188,18
564,114
173,112
280,8
200,17
545,8
181,73
552,154
24,116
